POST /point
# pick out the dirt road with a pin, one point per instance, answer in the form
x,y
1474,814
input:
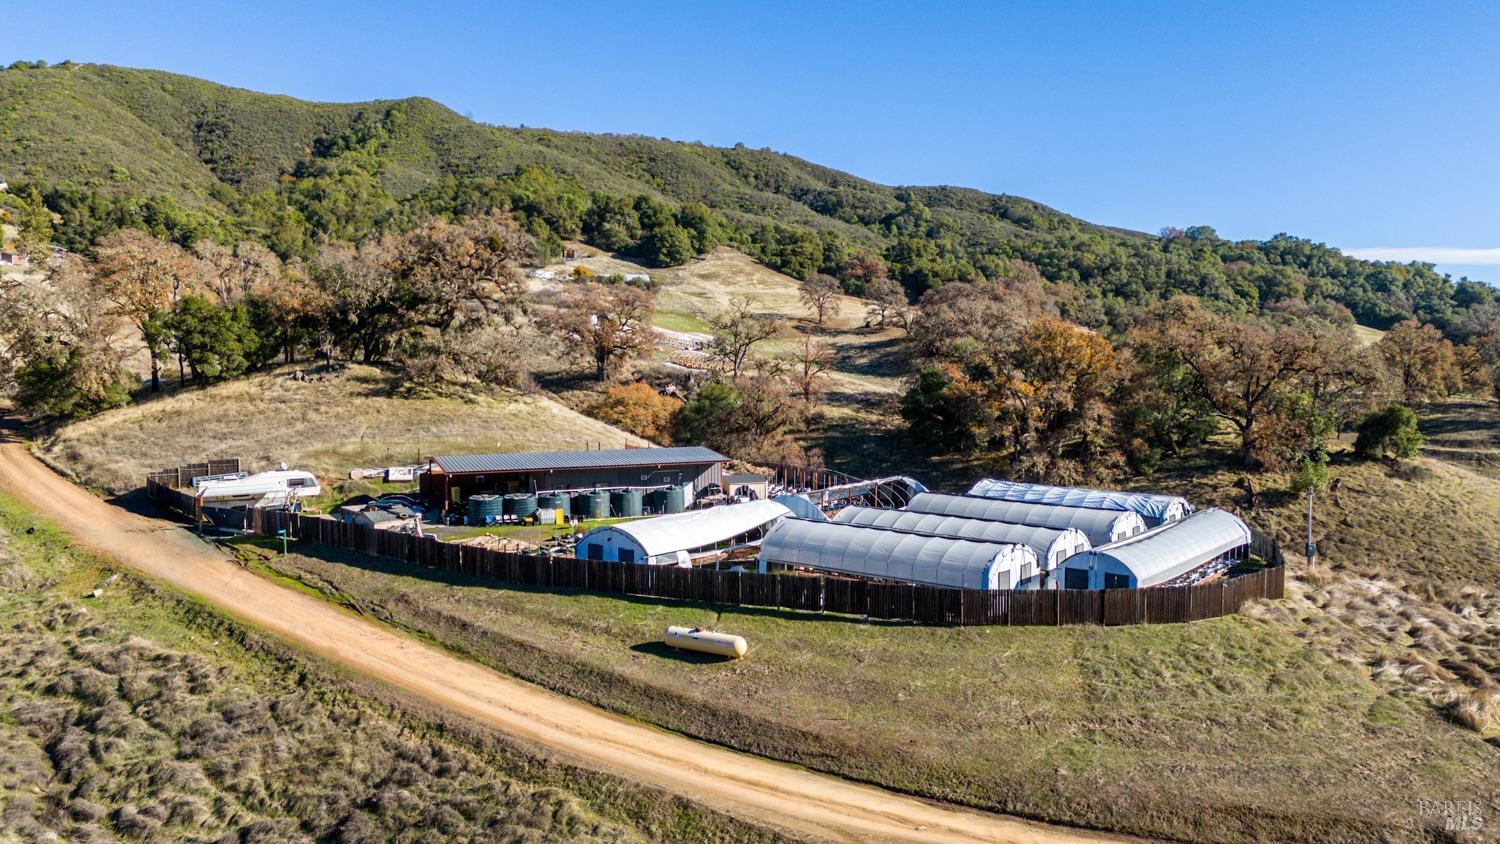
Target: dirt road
x,y
745,786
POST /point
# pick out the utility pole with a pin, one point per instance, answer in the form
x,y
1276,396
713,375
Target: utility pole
x,y
1312,548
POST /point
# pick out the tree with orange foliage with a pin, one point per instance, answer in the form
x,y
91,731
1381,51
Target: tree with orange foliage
x,y
639,409
1054,412
1421,358
142,277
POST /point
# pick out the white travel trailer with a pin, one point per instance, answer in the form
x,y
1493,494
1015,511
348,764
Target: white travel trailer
x,y
243,490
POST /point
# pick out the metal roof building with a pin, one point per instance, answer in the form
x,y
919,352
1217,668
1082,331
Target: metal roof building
x,y
533,461
1155,509
1052,545
1158,555
894,555
1100,526
676,539
452,478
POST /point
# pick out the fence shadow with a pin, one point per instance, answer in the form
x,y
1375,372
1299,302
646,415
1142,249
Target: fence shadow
x,y
376,564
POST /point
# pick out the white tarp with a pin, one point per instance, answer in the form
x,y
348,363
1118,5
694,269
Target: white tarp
x,y
1166,552
1051,545
1100,526
895,555
1155,509
801,507
659,539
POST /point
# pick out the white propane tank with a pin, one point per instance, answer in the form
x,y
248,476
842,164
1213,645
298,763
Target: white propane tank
x,y
705,641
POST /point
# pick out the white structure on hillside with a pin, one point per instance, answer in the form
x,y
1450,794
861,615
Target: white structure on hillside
x,y
1100,526
1158,555
895,555
1052,545
674,540
1155,509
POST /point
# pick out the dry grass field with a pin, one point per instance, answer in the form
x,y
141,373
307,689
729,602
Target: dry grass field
x,y
350,418
141,715
1225,730
1407,583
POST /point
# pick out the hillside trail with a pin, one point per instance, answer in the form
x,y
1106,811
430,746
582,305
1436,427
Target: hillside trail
x,y
762,791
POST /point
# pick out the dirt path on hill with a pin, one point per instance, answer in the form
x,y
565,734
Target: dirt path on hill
x,y
762,791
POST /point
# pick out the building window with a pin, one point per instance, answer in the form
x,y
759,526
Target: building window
x,y
1116,581
594,551
1075,579
627,555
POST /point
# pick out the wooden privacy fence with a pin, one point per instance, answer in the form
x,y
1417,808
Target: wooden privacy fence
x,y
813,593
183,476
174,487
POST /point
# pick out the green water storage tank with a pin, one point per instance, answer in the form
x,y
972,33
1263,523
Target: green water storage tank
x,y
555,501
674,499
625,502
484,505
591,505
520,504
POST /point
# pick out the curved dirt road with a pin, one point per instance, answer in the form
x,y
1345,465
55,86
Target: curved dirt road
x,y
745,786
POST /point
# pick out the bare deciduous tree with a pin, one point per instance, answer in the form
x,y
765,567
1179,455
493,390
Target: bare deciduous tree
x,y
815,359
736,331
609,324
821,296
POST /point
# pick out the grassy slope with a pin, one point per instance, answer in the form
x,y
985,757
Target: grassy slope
x,y
855,430
1223,730
145,715
350,419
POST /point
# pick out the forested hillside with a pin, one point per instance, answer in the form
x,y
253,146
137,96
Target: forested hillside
x,y
105,147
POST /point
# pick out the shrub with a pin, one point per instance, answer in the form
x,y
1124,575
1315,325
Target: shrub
x,y
1391,431
638,409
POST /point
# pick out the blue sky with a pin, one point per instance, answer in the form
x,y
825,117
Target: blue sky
x,y
1369,126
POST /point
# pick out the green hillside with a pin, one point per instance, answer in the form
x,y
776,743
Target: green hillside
x,y
127,131
107,147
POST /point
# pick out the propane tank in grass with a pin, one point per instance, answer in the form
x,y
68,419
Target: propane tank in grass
x,y
705,641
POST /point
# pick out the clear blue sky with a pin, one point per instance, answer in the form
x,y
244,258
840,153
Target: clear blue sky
x,y
1364,125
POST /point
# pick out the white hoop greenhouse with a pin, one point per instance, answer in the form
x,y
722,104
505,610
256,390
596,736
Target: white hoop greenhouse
x,y
1158,555
1100,526
894,555
676,539
1052,545
1155,509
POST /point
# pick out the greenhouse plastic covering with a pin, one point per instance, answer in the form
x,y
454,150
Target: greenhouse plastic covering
x,y
1156,509
894,555
1100,526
